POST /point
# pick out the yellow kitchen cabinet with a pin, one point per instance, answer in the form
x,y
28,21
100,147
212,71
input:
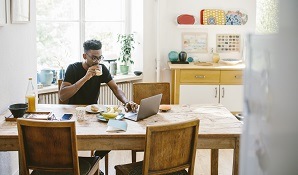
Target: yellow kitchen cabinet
x,y
193,84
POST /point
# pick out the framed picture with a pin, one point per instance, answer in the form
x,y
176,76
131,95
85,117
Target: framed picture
x,y
228,43
195,42
20,11
3,12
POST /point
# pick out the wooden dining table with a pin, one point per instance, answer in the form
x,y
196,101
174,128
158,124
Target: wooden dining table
x,y
218,129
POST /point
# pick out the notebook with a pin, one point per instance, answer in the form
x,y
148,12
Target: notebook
x,y
148,107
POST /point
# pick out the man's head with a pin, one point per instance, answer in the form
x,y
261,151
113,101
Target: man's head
x,y
92,52
92,45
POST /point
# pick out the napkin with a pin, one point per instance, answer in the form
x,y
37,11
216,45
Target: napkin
x,y
116,125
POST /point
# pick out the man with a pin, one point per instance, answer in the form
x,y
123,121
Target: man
x,y
82,86
82,81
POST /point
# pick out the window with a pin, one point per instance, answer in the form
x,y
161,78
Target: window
x,y
267,16
63,26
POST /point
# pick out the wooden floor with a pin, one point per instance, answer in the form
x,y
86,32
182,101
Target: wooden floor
x,y
202,161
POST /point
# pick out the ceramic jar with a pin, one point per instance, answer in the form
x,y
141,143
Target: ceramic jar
x,y
182,56
113,68
46,77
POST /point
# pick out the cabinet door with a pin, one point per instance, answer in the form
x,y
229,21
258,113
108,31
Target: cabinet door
x,y
231,96
199,94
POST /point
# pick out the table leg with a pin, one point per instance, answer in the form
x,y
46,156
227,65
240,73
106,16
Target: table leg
x,y
214,161
236,158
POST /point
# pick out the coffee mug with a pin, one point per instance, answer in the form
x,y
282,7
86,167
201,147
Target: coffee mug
x,y
98,71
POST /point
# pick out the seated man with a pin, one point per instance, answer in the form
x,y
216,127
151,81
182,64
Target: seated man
x,y
82,81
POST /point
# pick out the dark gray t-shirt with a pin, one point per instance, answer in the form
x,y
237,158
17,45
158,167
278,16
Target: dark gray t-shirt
x,y
89,92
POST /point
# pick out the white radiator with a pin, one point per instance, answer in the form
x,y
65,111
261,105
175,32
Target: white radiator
x,y
48,98
106,95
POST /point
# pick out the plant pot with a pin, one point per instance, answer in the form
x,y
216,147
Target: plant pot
x,y
124,69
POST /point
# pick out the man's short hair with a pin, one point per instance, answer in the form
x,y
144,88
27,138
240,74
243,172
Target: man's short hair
x,y
92,45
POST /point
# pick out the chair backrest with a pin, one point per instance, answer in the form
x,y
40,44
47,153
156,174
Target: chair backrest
x,y
59,86
48,145
170,148
144,90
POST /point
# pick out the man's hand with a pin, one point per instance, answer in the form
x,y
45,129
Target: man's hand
x,y
91,71
131,106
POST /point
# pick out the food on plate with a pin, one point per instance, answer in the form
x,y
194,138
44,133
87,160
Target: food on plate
x,y
111,112
109,115
94,108
164,108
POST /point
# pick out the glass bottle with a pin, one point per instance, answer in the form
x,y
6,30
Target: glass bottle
x,y
215,56
30,97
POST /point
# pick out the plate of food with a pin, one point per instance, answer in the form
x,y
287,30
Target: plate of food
x,y
95,108
105,119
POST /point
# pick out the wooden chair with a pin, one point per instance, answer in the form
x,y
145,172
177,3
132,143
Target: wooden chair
x,y
59,86
144,90
169,149
92,152
59,140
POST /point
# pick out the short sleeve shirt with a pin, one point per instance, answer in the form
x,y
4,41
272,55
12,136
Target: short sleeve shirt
x,y
89,92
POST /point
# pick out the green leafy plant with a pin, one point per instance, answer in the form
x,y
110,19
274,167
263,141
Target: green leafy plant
x,y
127,42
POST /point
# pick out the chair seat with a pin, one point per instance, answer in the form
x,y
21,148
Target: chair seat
x,y
136,169
85,164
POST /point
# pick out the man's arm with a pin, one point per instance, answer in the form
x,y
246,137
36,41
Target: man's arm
x,y
129,105
68,90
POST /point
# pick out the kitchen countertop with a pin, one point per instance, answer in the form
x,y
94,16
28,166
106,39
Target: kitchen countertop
x,y
214,66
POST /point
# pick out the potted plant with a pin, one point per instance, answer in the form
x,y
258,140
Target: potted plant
x,y
127,42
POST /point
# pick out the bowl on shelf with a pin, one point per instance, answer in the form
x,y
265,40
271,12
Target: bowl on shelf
x,y
18,109
138,73
230,61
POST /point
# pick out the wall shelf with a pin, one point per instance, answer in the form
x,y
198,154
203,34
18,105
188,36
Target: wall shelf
x,y
198,26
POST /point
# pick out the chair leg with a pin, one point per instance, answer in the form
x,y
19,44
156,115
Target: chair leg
x,y
107,164
133,156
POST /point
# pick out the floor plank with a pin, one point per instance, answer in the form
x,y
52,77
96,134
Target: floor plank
x,y
202,165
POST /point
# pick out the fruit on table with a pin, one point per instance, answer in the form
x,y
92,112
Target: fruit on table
x,y
111,113
107,115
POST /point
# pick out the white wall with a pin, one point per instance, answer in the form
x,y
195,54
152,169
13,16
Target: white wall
x,y
18,62
149,23
170,34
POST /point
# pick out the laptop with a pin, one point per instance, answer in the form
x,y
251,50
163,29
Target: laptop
x,y
148,107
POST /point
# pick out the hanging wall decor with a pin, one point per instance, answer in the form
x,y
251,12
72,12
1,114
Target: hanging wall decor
x,y
195,42
3,12
228,43
20,11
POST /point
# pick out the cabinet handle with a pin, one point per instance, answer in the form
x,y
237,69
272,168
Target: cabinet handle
x,y
200,76
238,76
223,92
216,92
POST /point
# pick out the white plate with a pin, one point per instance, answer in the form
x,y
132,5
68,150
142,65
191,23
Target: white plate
x,y
101,108
101,118
231,61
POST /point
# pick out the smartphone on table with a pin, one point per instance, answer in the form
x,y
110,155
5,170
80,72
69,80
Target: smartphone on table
x,y
66,116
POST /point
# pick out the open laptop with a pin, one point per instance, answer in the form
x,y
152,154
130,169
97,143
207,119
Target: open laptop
x,y
148,107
